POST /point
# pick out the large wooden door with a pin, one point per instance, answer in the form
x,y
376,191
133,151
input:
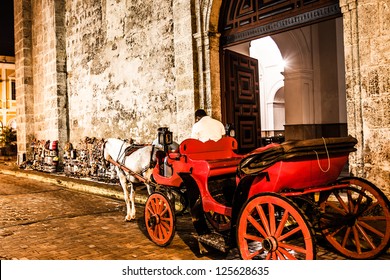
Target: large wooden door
x,y
241,99
246,20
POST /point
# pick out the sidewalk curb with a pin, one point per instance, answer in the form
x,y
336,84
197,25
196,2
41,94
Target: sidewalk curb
x,y
88,186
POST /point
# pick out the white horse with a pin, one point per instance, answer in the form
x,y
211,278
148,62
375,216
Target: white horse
x,y
138,162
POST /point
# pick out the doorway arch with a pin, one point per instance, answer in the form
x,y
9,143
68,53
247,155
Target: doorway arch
x,y
302,45
271,83
306,90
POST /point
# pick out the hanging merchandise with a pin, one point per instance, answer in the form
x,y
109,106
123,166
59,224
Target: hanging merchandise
x,y
87,162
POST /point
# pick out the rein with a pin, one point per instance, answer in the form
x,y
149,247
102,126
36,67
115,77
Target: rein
x,y
119,154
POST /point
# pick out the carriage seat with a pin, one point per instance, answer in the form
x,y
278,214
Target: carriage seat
x,y
219,156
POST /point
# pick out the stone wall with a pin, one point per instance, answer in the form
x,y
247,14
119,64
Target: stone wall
x,y
120,65
103,68
367,37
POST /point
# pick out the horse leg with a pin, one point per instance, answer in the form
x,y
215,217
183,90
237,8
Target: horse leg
x,y
150,189
148,175
132,198
126,194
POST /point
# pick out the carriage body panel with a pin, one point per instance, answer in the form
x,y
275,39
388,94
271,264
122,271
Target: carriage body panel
x,y
299,174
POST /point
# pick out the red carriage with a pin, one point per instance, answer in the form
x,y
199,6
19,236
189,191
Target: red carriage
x,y
270,203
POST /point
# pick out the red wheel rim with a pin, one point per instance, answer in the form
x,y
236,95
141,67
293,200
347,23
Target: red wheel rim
x,y
272,227
356,220
159,219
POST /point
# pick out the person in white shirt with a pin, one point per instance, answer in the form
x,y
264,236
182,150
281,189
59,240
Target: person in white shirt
x,y
206,128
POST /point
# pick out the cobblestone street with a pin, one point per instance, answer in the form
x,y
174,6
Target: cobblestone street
x,y
41,220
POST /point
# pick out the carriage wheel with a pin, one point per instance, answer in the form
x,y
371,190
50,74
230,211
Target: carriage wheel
x,y
160,219
271,226
356,219
218,221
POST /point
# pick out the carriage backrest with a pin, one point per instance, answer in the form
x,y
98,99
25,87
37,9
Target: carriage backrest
x,y
195,149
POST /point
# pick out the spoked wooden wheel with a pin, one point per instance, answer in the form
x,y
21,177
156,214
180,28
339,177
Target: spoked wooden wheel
x,y
356,219
160,219
218,221
271,226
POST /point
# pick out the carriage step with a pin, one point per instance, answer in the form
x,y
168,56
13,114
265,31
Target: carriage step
x,y
214,240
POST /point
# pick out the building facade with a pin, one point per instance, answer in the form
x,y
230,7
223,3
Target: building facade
x,y
7,92
105,68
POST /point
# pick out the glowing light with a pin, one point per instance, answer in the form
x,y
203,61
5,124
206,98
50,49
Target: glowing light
x,y
282,63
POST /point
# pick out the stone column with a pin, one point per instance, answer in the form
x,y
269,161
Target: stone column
x,y
299,104
49,71
24,76
214,73
186,76
208,58
367,63
40,70
61,72
353,81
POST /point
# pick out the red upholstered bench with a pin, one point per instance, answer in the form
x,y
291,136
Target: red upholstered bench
x,y
219,156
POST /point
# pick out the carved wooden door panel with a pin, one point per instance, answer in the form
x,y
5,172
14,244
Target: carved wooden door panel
x,y
241,98
245,20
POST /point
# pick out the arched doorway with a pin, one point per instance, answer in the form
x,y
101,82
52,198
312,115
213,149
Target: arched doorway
x,y
271,85
310,40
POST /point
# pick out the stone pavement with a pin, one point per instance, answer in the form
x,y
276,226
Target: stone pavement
x,y
45,221
39,221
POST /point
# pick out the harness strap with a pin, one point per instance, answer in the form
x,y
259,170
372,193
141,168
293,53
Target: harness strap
x,y
132,173
132,148
128,151
120,153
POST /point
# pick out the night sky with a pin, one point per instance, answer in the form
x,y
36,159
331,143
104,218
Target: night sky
x,y
7,28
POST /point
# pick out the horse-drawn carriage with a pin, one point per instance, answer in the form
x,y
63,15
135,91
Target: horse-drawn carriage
x,y
270,203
